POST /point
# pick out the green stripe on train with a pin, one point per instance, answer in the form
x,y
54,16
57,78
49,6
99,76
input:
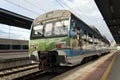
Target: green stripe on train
x,y
46,44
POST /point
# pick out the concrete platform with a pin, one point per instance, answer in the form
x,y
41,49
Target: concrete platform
x,y
113,70
90,71
13,59
12,55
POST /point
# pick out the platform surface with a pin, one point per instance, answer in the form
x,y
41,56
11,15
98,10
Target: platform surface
x,y
93,71
13,59
12,55
109,63
114,72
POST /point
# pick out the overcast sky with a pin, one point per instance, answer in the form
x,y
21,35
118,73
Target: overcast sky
x,y
84,9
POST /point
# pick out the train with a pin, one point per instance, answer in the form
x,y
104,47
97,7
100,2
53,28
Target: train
x,y
7,45
60,38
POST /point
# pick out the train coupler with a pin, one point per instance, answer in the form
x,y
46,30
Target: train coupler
x,y
42,66
47,59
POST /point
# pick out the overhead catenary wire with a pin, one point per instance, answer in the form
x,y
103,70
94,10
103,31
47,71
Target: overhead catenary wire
x,y
35,5
84,14
76,8
97,19
21,7
60,4
69,8
65,4
79,10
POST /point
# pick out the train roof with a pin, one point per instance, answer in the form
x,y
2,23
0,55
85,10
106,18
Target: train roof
x,y
56,14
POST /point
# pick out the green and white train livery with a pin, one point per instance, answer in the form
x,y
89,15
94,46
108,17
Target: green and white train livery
x,y
59,38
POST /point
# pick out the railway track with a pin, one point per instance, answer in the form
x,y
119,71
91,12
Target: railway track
x,y
31,72
42,75
32,76
13,73
39,75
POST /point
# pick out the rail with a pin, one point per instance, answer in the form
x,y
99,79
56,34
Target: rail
x,y
18,71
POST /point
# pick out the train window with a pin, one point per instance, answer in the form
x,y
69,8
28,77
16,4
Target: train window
x,y
90,38
74,25
84,37
4,47
99,42
48,29
38,30
75,30
25,46
61,28
95,40
16,46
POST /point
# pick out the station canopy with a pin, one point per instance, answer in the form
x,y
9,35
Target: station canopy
x,y
13,19
110,10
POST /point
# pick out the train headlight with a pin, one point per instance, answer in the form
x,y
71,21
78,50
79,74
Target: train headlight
x,y
34,47
58,45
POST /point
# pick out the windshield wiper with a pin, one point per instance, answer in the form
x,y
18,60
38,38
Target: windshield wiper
x,y
39,33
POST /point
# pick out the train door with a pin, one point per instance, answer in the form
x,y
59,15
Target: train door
x,y
75,38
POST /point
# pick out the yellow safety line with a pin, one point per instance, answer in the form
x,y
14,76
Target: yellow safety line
x,y
104,77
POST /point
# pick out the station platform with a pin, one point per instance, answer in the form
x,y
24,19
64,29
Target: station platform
x,y
13,59
106,67
113,70
13,55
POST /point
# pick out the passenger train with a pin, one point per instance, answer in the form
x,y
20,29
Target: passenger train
x,y
59,38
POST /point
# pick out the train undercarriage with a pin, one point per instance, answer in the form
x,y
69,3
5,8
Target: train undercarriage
x,y
51,60
48,60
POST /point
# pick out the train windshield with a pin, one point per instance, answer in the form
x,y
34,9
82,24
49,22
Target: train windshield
x,y
37,31
61,27
57,28
48,29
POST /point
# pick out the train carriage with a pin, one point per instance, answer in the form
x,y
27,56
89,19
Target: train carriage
x,y
7,45
59,38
